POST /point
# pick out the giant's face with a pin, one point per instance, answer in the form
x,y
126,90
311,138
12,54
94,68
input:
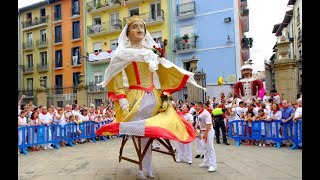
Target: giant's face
x,y
246,73
136,31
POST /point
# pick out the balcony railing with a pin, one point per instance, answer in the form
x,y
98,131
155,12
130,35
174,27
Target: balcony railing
x,y
95,7
104,28
92,87
28,69
151,18
28,92
35,22
57,16
185,46
42,67
246,42
42,43
300,36
28,45
186,10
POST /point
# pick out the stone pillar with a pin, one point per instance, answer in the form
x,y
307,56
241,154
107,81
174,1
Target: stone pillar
x,y
82,94
195,94
42,94
286,76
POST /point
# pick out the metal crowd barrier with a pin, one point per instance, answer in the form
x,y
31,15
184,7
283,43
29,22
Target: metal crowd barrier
x,y
266,130
54,134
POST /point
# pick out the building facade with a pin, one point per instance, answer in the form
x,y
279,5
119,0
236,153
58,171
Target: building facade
x,y
34,48
67,50
212,33
103,23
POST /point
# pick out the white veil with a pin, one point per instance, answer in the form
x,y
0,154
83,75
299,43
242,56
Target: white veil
x,y
125,55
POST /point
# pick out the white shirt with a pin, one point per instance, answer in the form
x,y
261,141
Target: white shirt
x,y
23,120
62,121
204,118
266,99
231,118
45,118
238,111
76,113
277,115
277,98
188,117
298,112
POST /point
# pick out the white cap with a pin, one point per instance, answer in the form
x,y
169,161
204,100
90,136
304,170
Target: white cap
x,y
247,65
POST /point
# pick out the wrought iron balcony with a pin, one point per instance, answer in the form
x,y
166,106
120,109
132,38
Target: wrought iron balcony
x,y
28,69
92,87
35,23
57,16
246,42
42,67
43,43
185,46
104,28
245,12
186,10
28,93
151,18
28,46
96,7
244,3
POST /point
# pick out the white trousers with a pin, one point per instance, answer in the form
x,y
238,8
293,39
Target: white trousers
x,y
209,153
199,146
174,144
184,150
147,160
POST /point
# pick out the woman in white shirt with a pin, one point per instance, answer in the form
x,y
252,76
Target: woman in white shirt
x,y
34,121
274,116
22,121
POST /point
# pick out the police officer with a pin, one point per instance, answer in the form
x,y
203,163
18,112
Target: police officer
x,y
219,123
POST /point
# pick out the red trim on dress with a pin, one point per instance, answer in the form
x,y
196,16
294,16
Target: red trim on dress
x,y
182,84
114,97
149,89
136,72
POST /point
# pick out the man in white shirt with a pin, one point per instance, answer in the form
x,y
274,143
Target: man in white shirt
x,y
207,133
298,117
239,115
185,149
46,118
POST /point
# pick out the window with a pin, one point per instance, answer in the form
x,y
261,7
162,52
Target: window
x,y
29,83
43,36
76,78
298,16
76,57
29,16
186,65
97,20
157,37
58,57
133,11
45,81
43,12
114,23
98,102
30,60
75,7
57,12
43,56
60,103
156,12
76,30
186,30
97,77
58,34
29,38
114,44
97,47
58,84
186,7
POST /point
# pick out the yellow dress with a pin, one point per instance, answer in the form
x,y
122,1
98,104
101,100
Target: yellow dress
x,y
145,102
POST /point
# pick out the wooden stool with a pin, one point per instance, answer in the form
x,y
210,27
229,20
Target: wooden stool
x,y
141,153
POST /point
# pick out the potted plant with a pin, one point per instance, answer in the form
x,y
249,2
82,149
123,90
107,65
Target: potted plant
x,y
89,7
185,37
98,5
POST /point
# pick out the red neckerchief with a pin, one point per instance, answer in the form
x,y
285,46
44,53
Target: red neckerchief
x,y
44,113
276,94
201,111
185,112
21,117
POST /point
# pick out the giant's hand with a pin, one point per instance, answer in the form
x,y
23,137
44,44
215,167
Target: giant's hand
x,y
164,106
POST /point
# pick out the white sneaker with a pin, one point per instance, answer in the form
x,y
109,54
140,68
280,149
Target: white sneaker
x,y
45,148
150,175
189,162
212,169
18,151
264,145
50,147
260,144
178,160
203,165
141,175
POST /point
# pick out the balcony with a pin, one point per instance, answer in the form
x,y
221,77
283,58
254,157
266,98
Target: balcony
x,y
151,18
43,43
244,3
92,87
104,28
57,17
245,20
101,57
42,67
35,23
183,46
246,44
186,10
131,2
75,11
28,46
94,8
300,37
28,93
28,69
